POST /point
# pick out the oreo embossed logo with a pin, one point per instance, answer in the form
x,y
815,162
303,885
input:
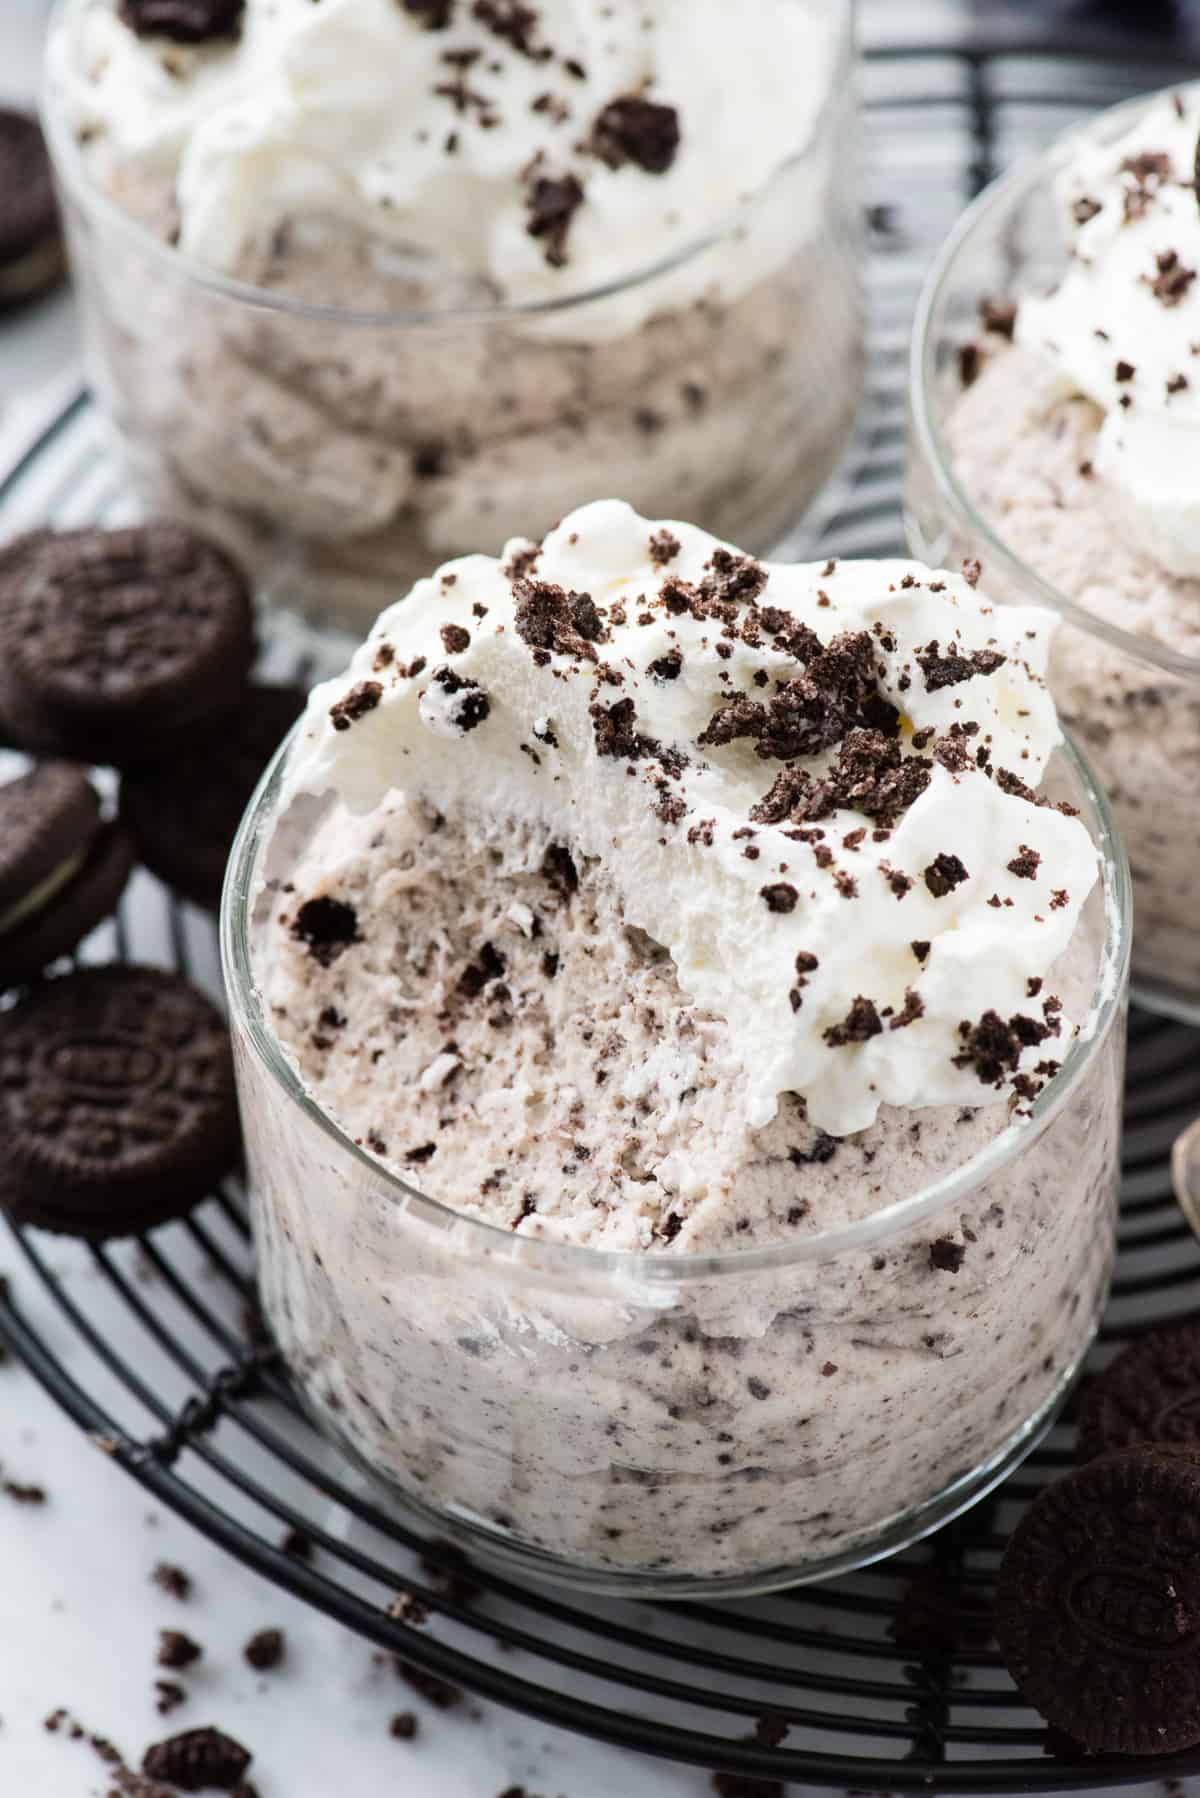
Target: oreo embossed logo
x,y
104,1063
1131,1611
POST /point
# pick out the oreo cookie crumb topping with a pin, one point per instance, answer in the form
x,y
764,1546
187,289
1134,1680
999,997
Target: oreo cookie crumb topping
x,y
184,21
455,639
633,129
356,704
943,874
403,1726
552,204
196,1759
664,547
615,733
551,620
1171,279
1026,863
949,670
668,667
328,926
921,950
781,896
473,703
860,1024
435,15
515,24
913,1009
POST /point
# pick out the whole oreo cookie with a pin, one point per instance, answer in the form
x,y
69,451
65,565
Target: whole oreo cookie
x,y
32,258
117,645
117,1103
61,870
183,21
1098,1604
184,812
1149,1394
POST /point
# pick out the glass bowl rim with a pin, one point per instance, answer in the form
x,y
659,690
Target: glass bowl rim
x,y
72,171
986,213
633,1270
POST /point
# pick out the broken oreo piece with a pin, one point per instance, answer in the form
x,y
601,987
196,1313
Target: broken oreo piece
x,y
32,257
117,646
184,812
117,1104
1149,1395
61,869
1098,1604
197,1760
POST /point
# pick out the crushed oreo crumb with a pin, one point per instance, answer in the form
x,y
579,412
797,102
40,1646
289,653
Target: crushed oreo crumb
x,y
265,1650
781,896
356,704
634,129
860,1024
943,874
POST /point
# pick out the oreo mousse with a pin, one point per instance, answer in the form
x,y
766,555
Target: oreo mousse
x,y
630,894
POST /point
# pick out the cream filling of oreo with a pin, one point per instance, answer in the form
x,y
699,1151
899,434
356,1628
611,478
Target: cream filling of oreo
x,y
39,897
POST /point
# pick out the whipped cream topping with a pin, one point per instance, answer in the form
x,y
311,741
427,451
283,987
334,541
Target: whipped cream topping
x,y
1123,325
511,151
813,784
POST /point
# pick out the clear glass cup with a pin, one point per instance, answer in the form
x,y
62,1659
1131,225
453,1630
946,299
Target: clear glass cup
x,y
1134,703
671,1424
345,449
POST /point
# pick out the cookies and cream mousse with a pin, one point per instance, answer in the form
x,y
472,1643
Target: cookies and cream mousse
x,y
631,893
1077,438
583,248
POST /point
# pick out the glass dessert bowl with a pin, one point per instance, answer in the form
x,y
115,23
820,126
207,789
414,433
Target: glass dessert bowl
x,y
1051,439
563,1273
550,287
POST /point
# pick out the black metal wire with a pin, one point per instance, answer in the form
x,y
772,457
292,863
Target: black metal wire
x,y
237,1458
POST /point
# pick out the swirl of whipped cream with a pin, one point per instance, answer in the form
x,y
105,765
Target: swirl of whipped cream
x,y
532,151
1123,325
812,784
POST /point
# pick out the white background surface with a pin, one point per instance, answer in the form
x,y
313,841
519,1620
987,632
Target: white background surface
x,y
78,1614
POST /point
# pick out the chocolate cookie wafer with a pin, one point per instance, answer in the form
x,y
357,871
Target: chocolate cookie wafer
x,y
117,646
117,1105
1149,1394
1098,1604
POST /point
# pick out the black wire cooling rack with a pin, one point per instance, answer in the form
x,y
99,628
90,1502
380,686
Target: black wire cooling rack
x,y
886,1679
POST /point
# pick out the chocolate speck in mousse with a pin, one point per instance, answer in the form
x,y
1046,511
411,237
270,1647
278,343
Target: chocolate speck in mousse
x,y
328,926
946,1255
